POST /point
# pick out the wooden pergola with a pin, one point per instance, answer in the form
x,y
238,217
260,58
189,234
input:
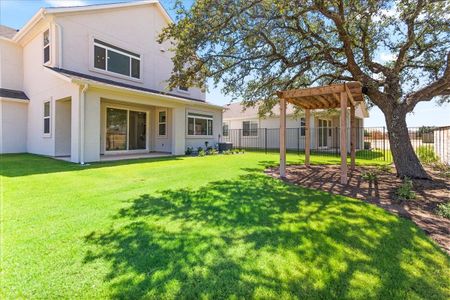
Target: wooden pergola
x,y
324,97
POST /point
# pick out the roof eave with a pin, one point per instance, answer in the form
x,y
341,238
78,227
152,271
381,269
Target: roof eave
x,y
138,92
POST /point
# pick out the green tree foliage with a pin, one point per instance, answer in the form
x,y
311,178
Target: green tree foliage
x,y
398,50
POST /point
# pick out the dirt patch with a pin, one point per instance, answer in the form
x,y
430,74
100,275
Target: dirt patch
x,y
421,211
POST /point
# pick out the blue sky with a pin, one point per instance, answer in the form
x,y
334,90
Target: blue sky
x,y
15,13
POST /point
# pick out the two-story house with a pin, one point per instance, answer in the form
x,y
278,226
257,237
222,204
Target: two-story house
x,y
89,82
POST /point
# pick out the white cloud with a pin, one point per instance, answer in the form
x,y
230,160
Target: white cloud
x,y
386,56
63,3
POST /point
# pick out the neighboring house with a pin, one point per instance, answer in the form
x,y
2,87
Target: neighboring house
x,y
244,128
87,81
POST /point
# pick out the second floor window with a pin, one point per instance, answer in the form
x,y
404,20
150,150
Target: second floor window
x,y
46,46
113,59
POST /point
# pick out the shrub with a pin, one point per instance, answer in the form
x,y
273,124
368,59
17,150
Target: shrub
x,y
189,151
405,191
367,145
199,149
227,152
201,152
443,210
369,176
212,151
426,154
384,168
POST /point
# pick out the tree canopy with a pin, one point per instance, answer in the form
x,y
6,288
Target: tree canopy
x,y
399,50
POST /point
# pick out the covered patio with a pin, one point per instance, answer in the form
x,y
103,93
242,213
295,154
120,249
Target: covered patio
x,y
325,97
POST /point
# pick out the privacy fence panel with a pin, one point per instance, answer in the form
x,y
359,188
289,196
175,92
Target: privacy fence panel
x,y
430,143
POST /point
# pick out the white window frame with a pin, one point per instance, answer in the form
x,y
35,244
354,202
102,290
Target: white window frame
x,y
49,117
250,128
159,123
196,115
302,127
183,91
44,46
128,109
228,125
105,71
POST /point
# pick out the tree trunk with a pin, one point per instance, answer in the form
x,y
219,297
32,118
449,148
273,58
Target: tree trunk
x,y
405,159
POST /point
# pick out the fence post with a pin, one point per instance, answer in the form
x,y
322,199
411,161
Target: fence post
x,y
265,140
384,144
240,138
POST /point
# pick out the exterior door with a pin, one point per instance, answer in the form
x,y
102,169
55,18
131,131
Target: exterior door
x,y
126,130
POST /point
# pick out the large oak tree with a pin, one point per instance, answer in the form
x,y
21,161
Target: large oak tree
x,y
398,50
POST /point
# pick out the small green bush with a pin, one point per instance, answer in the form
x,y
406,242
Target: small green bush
x,y
189,151
369,176
384,168
227,152
213,151
367,145
405,191
443,210
201,152
426,154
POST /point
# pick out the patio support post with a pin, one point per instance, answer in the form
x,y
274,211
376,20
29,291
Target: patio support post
x,y
307,136
343,99
352,137
282,137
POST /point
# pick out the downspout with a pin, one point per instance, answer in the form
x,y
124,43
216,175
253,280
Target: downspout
x,y
82,121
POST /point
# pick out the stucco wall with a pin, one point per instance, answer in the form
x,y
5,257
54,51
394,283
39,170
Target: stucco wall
x,y
11,65
13,127
63,127
138,34
41,85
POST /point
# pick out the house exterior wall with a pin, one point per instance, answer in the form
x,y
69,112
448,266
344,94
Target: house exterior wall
x,y
13,126
41,85
78,31
63,127
11,65
442,144
268,134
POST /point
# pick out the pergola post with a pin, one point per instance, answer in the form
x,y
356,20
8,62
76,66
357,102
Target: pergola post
x,y
352,137
343,137
282,137
307,136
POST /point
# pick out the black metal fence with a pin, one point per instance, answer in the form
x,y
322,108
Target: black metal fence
x,y
372,143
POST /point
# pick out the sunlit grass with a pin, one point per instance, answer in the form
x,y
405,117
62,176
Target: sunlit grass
x,y
211,227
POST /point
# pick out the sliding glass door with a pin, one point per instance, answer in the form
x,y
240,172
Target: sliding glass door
x,y
125,130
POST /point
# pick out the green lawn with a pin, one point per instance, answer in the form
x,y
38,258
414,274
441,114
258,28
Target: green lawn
x,y
211,227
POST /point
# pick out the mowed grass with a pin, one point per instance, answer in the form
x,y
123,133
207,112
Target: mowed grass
x,y
207,227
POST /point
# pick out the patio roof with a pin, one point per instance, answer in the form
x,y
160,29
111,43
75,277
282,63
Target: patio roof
x,y
323,96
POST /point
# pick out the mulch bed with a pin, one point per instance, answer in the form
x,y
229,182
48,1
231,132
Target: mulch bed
x,y
421,211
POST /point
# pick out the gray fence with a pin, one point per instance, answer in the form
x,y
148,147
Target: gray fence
x,y
430,143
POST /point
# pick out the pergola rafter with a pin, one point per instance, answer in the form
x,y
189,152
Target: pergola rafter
x,y
341,96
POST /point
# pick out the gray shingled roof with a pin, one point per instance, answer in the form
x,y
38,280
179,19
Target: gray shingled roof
x,y
7,32
76,75
7,93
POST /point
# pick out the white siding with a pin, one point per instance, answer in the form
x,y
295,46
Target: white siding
x,y
13,127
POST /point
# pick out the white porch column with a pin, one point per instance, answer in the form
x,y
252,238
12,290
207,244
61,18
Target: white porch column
x,y
178,130
307,136
91,127
75,128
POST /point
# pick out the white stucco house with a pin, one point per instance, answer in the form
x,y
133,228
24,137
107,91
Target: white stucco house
x,y
245,128
89,82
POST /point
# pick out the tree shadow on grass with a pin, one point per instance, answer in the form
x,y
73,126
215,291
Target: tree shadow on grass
x,y
256,237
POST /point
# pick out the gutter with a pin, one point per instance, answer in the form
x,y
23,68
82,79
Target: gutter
x,y
82,121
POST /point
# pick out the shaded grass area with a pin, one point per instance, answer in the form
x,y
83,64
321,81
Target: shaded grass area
x,y
212,227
